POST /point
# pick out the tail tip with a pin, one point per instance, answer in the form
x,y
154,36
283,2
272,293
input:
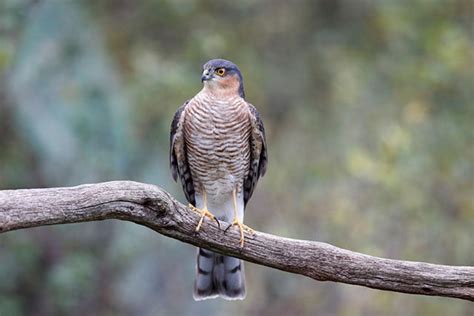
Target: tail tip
x,y
202,297
198,298
238,294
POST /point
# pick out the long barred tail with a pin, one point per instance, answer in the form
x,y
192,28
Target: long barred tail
x,y
218,275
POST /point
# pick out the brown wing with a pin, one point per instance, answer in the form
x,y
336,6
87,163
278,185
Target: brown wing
x,y
258,153
178,156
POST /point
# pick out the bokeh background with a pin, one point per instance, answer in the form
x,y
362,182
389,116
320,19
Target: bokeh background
x,y
369,111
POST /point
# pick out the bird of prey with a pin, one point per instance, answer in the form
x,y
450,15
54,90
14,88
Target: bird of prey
x,y
218,150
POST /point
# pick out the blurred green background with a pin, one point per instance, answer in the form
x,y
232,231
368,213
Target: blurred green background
x,y
369,111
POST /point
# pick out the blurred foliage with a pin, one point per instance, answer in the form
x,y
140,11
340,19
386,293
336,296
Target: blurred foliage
x,y
369,111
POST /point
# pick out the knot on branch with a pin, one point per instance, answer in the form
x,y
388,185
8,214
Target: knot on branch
x,y
163,208
154,204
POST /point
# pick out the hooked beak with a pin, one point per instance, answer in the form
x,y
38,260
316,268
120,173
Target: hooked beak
x,y
206,75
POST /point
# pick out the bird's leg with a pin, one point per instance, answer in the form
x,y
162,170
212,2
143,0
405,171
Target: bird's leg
x,y
238,223
204,213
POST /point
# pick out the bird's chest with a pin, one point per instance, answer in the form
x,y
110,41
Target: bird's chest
x,y
217,141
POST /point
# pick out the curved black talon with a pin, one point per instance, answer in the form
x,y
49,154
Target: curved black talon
x,y
230,225
218,223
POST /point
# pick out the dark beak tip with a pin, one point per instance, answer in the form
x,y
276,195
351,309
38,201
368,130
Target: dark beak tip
x,y
205,78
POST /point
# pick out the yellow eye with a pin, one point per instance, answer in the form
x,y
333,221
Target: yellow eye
x,y
220,71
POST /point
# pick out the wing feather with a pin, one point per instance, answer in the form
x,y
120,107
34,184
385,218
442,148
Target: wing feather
x,y
258,153
178,155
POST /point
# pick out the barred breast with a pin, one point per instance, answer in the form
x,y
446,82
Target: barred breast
x,y
217,135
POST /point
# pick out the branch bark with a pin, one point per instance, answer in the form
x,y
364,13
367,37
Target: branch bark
x,y
153,207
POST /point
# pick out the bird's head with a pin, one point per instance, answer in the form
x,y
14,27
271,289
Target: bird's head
x,y
222,77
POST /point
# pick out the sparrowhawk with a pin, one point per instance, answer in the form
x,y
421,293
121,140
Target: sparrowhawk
x,y
218,149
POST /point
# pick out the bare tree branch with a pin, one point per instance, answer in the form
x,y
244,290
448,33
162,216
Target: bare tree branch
x,y
153,207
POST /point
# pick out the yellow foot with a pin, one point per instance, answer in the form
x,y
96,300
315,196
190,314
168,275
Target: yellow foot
x,y
242,228
204,213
